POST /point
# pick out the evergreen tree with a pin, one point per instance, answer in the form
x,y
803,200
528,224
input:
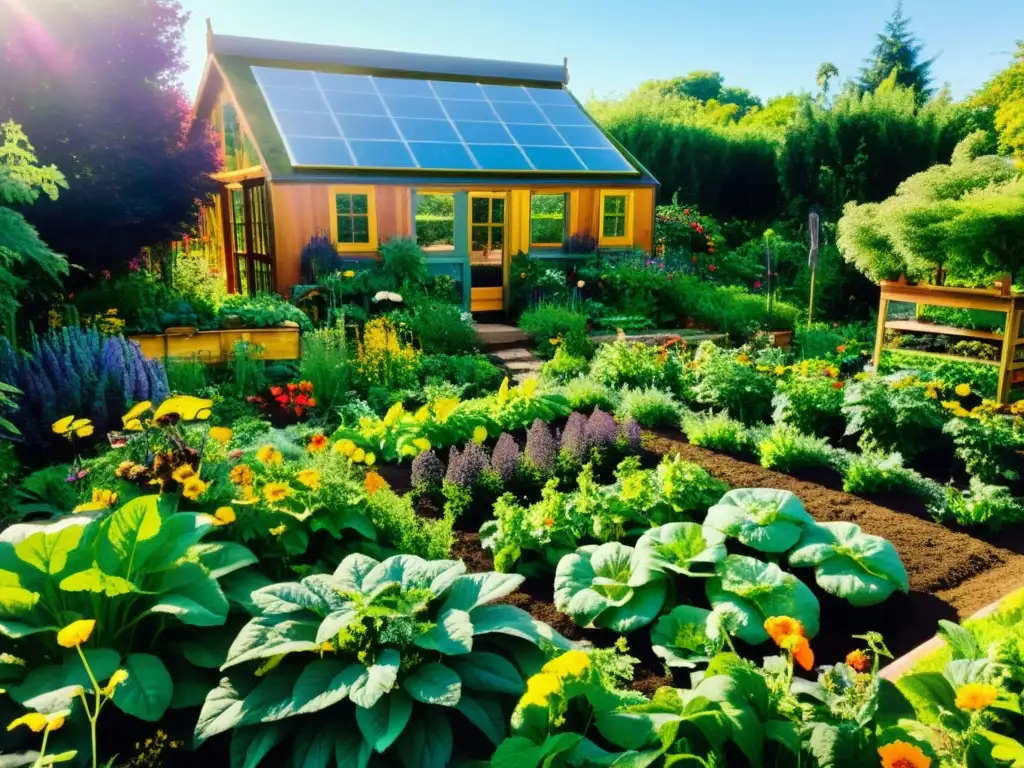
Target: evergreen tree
x,y
898,49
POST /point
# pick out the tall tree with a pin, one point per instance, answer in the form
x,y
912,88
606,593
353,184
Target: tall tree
x,y
826,73
1003,99
96,85
898,49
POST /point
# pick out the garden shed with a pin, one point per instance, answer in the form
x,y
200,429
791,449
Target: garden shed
x,y
477,159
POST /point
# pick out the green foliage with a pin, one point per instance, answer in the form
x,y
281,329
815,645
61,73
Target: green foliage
x,y
990,505
396,521
981,378
265,310
896,58
1003,98
810,404
787,449
186,375
585,394
728,381
550,325
689,549
990,447
892,414
649,407
475,373
440,327
716,431
404,262
764,519
686,487
682,638
248,368
871,472
564,366
325,364
372,659
626,364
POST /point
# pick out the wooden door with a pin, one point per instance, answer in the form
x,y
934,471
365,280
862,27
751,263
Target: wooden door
x,y
250,237
487,251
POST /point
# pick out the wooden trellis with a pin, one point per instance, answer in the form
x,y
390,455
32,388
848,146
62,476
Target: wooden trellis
x,y
1001,299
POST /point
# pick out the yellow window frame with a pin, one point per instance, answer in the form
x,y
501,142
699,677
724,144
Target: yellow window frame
x,y
627,238
371,215
490,214
566,216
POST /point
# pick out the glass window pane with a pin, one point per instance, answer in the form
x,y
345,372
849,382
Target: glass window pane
x,y
547,219
317,124
398,86
415,129
413,106
614,205
483,133
583,136
614,226
478,235
343,204
470,110
344,229
506,93
360,229
536,135
328,153
358,127
497,238
497,210
566,115
551,96
360,204
512,112
346,83
553,159
355,103
480,209
498,158
298,99
451,157
447,90
435,221
382,154
604,160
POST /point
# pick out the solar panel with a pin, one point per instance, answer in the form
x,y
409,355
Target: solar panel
x,y
363,121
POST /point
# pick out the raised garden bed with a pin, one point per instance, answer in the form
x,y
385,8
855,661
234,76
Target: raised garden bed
x,y
215,346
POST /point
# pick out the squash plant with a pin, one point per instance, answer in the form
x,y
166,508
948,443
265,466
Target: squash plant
x,y
765,519
848,563
140,572
686,548
376,657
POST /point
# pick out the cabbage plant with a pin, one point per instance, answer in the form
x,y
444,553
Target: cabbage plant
x,y
376,657
765,519
848,563
609,585
688,635
686,548
752,591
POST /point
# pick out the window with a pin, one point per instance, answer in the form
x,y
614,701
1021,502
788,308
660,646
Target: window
x,y
250,236
353,219
548,220
616,218
239,151
487,228
238,219
435,221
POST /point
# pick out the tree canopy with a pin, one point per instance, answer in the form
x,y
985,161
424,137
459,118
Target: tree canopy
x,y
898,50
1003,98
95,83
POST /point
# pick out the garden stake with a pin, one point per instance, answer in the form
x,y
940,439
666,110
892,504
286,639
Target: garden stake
x,y
812,261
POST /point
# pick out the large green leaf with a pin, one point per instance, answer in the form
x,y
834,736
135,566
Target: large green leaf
x,y
264,637
323,683
475,589
434,684
427,740
384,722
223,557
376,680
289,597
15,600
199,603
128,536
509,620
681,637
486,714
765,519
352,570
102,661
48,551
147,692
96,581
451,635
250,745
487,673
313,747
351,750
336,621
686,548
743,700
222,710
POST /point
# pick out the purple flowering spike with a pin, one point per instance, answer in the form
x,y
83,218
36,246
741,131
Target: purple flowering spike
x,y
541,450
465,468
601,429
159,389
574,438
505,457
632,435
427,469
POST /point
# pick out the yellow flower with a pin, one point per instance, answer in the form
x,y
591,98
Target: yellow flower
x,y
123,467
370,459
61,426
136,411
348,273
221,434
539,690
75,633
133,426
358,455
85,431
309,478
779,370
931,393
248,497
277,492
278,530
569,664
555,341
479,434
224,516
35,721
503,391
395,412
528,387
193,488
580,283
186,406
963,390
900,754
443,408
183,473
422,443
269,455
344,447
116,679
55,720
975,696
241,475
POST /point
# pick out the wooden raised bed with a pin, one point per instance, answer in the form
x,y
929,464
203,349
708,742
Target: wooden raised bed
x,y
216,346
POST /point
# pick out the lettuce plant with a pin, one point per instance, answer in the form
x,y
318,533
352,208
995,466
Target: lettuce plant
x,y
687,636
140,573
609,585
765,519
848,563
753,591
373,658
686,548
687,487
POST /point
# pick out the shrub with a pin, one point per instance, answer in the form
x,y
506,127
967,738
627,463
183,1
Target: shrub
x,y
440,327
990,505
549,325
265,310
729,381
716,431
893,414
990,446
404,262
541,450
632,435
476,372
574,444
585,394
622,363
649,407
787,449
427,471
395,519
872,472
186,375
564,366
505,457
602,431
325,363
812,404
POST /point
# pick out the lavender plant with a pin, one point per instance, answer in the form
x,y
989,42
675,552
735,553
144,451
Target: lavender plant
x,y
632,435
541,449
505,457
574,444
427,471
602,431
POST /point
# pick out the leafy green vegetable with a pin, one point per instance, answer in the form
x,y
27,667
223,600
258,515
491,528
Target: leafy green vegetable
x,y
682,639
765,519
686,548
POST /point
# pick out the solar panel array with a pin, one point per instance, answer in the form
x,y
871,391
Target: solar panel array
x,y
363,121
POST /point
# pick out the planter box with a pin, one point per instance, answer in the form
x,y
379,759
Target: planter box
x,y
782,339
215,346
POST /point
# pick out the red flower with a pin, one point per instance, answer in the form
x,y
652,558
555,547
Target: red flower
x,y
292,388
306,386
694,259
757,285
711,267
686,211
282,399
710,249
693,225
837,385
275,391
311,402
298,411
302,400
700,229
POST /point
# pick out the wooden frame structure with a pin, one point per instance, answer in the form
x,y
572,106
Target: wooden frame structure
x,y
1000,299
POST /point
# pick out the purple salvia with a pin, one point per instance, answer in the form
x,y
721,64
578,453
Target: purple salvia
x,y
141,378
427,469
466,468
541,450
505,457
574,438
632,434
159,389
113,364
601,429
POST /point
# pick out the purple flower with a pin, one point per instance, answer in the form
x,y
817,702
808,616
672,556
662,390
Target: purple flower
x,y
427,469
505,457
601,429
541,451
631,434
465,468
574,438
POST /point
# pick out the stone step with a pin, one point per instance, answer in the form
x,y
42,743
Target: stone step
x,y
524,365
497,334
513,353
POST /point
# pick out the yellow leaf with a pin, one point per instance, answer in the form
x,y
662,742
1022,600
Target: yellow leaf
x,y
186,406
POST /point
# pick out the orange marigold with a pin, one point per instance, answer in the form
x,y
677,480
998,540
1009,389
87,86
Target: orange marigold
x,y
801,650
974,696
900,754
317,443
858,660
373,483
781,627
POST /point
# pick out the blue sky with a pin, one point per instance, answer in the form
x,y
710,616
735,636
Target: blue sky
x,y
768,46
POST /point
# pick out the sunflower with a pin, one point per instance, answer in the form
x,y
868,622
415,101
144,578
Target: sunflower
x,y
277,492
241,475
183,473
900,754
269,455
193,488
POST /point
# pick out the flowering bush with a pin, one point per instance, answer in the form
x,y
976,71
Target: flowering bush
x,y
287,404
385,355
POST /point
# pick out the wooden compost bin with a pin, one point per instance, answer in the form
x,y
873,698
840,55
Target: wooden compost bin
x,y
215,346
1000,299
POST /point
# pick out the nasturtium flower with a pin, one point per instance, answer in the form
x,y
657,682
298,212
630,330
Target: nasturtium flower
x,y
373,482
309,478
317,443
539,690
975,696
61,426
900,754
183,473
221,434
277,492
224,516
269,455
193,488
75,633
479,434
779,627
858,660
241,475
963,390
135,413
569,664
34,721
800,647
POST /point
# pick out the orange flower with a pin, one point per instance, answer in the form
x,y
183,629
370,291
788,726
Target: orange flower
x,y
841,348
900,754
373,483
975,696
801,650
837,385
305,387
275,391
549,522
858,660
781,627
317,443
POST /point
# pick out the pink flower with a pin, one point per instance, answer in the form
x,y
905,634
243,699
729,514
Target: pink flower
x,y
711,267
106,274
757,285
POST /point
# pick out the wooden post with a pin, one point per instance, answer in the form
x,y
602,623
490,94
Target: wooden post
x,y
810,304
1006,361
883,312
